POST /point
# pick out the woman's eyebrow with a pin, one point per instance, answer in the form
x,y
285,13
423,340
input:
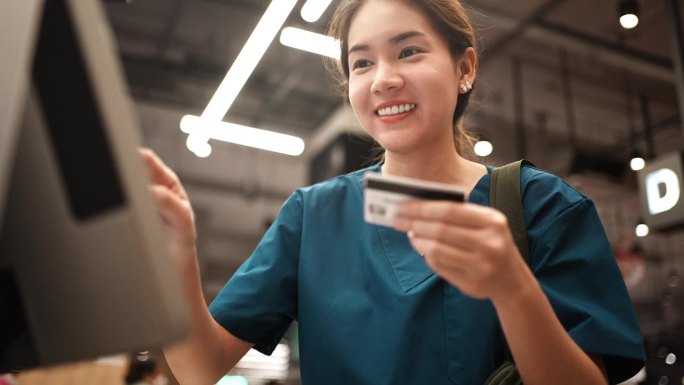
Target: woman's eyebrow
x,y
405,35
393,40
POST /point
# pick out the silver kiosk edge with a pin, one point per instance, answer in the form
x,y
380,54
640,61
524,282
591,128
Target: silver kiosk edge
x,y
84,265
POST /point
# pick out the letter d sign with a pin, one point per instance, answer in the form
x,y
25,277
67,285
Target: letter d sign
x,y
662,190
660,186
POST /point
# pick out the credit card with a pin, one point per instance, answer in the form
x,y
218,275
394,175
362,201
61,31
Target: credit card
x,y
382,194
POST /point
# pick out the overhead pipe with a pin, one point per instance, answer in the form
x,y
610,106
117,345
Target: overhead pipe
x,y
648,125
519,107
568,99
520,28
677,51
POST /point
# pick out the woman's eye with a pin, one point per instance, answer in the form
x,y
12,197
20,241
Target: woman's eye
x,y
406,52
361,64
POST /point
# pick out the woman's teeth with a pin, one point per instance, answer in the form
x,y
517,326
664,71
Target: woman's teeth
x,y
394,110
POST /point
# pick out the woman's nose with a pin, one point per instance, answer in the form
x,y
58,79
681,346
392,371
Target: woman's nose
x,y
387,78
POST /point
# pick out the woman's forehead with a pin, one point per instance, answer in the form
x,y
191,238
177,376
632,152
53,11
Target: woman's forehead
x,y
379,20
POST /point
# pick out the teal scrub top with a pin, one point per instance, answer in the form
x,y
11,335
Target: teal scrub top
x,y
370,311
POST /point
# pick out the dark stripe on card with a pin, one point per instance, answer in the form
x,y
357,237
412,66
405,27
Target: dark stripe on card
x,y
416,192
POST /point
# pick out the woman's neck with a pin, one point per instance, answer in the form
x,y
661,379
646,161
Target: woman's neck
x,y
445,167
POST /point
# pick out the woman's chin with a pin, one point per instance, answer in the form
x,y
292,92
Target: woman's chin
x,y
398,147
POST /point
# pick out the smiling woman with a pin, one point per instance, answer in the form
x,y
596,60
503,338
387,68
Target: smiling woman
x,y
434,297
450,29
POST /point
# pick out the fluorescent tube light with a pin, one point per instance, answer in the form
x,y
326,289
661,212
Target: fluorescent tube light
x,y
249,57
268,26
310,42
239,134
312,10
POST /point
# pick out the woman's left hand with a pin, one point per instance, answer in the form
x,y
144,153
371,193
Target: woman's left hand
x,y
468,245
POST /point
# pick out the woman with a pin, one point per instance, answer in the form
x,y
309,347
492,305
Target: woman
x,y
424,302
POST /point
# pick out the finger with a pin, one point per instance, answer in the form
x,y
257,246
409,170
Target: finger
x,y
175,211
453,212
440,255
178,218
462,237
160,173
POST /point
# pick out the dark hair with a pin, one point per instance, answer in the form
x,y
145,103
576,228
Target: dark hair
x,y
447,16
138,369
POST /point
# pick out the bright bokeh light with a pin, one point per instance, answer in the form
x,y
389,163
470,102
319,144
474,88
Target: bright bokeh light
x,y
629,21
641,230
483,148
637,163
670,359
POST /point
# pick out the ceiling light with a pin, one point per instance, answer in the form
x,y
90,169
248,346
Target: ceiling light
x,y
641,230
637,163
310,42
629,13
670,359
312,10
483,148
243,135
198,143
248,58
268,26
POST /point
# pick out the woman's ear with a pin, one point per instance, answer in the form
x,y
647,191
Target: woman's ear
x,y
467,69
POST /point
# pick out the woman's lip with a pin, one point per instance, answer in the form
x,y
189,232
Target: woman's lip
x,y
395,118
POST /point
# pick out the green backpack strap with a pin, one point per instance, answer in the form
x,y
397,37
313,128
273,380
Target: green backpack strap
x,y
505,195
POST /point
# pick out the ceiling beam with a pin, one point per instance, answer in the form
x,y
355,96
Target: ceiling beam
x,y
605,51
516,32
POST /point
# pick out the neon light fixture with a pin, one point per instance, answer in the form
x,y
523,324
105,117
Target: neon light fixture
x,y
201,129
313,9
243,135
310,42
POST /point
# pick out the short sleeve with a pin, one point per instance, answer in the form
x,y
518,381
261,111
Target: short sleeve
x,y
259,302
575,266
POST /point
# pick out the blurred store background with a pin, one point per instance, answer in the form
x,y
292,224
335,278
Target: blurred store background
x,y
561,83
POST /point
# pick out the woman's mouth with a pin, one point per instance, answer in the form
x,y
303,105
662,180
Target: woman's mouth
x,y
395,113
395,109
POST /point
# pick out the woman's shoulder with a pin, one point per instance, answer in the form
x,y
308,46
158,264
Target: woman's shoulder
x,y
537,180
544,191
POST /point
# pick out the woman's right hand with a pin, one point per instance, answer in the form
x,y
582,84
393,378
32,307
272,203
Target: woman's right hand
x,y
175,209
209,351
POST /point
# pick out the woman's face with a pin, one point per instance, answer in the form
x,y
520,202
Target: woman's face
x,y
403,82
